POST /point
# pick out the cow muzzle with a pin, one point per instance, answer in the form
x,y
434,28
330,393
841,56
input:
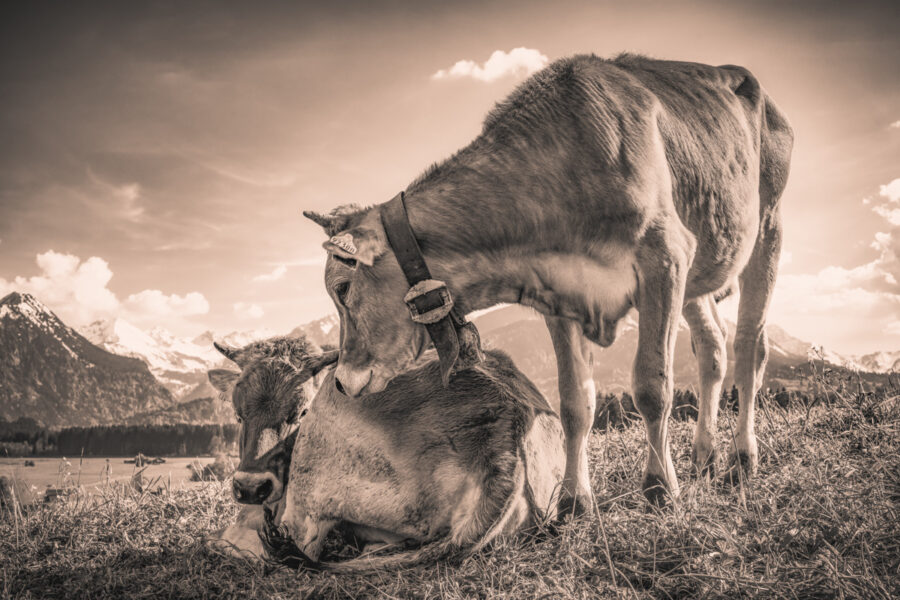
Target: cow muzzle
x,y
256,488
352,382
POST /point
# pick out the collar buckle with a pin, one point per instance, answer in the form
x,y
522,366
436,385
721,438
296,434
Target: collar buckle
x,y
429,301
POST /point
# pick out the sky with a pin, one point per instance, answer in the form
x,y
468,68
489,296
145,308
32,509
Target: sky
x,y
156,157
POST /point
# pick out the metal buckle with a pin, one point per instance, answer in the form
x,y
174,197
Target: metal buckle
x,y
420,289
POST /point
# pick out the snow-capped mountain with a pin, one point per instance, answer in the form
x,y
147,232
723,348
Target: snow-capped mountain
x,y
322,332
51,373
880,362
178,364
875,362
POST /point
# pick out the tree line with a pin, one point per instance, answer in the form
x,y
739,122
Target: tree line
x,y
25,438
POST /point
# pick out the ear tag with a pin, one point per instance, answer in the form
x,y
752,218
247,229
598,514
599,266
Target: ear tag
x,y
344,242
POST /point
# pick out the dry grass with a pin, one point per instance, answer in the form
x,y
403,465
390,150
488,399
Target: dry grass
x,y
820,520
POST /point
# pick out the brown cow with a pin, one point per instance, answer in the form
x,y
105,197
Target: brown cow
x,y
597,186
447,469
276,382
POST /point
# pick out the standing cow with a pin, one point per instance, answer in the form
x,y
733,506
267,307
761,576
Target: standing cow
x,y
597,186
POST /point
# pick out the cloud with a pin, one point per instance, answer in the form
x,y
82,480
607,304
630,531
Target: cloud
x,y
248,311
864,297
276,274
891,191
77,290
126,197
73,288
518,62
894,125
154,303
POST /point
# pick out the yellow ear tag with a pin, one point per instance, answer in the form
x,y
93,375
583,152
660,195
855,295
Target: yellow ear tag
x,y
344,242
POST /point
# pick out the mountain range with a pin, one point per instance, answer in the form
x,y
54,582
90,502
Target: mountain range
x,y
50,372
62,377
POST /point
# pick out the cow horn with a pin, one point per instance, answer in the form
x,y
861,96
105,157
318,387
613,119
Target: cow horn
x,y
335,221
326,221
226,351
320,361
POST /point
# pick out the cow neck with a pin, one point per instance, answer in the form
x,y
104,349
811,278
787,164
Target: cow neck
x,y
461,247
456,340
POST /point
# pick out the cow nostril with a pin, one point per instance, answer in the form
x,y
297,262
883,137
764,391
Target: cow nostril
x,y
264,490
339,385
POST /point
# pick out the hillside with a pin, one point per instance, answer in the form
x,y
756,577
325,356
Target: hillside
x,y
51,373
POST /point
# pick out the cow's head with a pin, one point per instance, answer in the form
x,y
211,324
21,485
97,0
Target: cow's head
x,y
270,394
378,339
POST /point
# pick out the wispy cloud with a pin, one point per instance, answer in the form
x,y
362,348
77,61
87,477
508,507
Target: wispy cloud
x,y
894,125
126,197
308,261
276,274
156,303
245,310
516,62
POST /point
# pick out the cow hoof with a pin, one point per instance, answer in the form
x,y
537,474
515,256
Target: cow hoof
x,y
704,461
741,466
572,507
655,490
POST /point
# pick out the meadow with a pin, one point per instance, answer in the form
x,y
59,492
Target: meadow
x,y
92,473
820,520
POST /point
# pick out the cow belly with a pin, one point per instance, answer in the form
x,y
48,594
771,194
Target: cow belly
x,y
580,288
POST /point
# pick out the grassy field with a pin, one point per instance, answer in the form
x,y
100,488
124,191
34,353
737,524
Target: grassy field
x,y
821,520
91,473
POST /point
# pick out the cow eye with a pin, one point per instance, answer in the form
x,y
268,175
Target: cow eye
x,y
340,290
303,413
239,420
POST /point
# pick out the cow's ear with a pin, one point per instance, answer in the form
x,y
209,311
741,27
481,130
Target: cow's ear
x,y
335,221
320,361
360,243
223,379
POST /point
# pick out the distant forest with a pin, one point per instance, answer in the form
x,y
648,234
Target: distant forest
x,y
24,437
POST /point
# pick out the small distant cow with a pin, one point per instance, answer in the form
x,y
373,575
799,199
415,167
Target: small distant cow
x,y
598,186
447,469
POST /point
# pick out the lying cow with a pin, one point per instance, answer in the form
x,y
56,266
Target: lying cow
x,y
448,469
276,382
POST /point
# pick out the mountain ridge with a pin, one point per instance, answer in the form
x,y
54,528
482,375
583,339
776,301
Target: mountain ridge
x,y
179,365
50,372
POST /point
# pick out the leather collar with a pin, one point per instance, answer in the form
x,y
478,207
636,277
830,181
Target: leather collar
x,y
429,301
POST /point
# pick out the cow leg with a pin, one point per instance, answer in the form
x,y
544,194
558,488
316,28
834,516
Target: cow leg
x,y
750,343
663,262
708,338
577,397
241,538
